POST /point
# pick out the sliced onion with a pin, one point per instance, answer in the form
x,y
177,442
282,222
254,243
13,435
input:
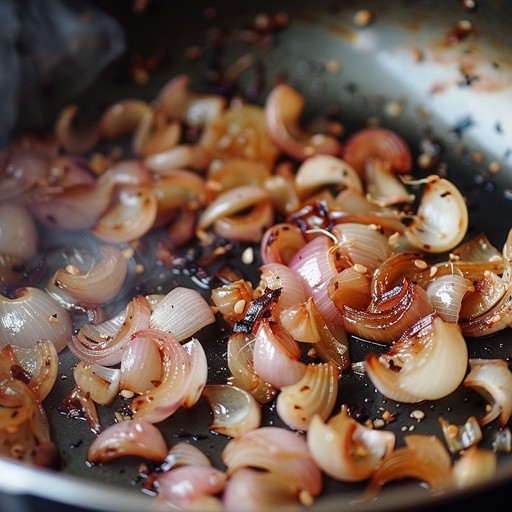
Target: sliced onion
x,y
158,404
103,343
423,458
137,438
71,138
446,294
78,404
172,314
34,315
320,171
241,366
388,316
298,321
235,172
98,284
257,490
130,217
431,347
441,221
280,451
486,293
283,195
99,382
461,437
378,142
492,379
346,450
276,355
351,287
314,394
198,372
281,242
233,299
185,454
141,366
474,467
283,108
235,411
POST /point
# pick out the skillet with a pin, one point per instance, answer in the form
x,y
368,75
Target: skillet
x,y
375,71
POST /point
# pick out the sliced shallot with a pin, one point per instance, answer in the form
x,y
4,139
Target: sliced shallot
x,y
101,383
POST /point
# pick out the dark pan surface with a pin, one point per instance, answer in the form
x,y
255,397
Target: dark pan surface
x,y
368,80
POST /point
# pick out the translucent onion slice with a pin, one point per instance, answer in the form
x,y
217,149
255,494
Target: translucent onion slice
x,y
382,184
351,287
78,404
283,109
34,315
103,343
282,193
257,490
346,450
423,458
235,411
41,362
141,366
278,275
320,171
314,394
461,437
492,379
100,382
280,451
173,313
486,293
241,366
186,487
277,355
361,244
441,221
137,438
198,372
474,467
430,347
298,321
18,232
403,265
234,172
389,315
495,319
185,454
446,294
281,242
130,217
158,404
98,284
378,142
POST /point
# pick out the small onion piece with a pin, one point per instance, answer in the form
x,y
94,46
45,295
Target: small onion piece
x,y
235,411
18,232
446,294
173,313
346,450
474,467
198,372
99,382
441,221
281,242
492,379
278,450
98,284
314,394
430,347
34,315
71,138
461,437
131,437
233,299
423,458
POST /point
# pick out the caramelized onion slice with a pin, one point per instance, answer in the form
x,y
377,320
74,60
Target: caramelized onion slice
x,y
101,383
492,379
346,450
235,411
430,347
131,437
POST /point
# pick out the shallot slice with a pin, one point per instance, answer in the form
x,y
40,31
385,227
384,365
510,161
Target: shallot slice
x,y
474,467
130,437
441,220
235,411
33,315
98,284
173,313
492,379
430,347
101,383
278,450
283,109
423,458
346,450
314,394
